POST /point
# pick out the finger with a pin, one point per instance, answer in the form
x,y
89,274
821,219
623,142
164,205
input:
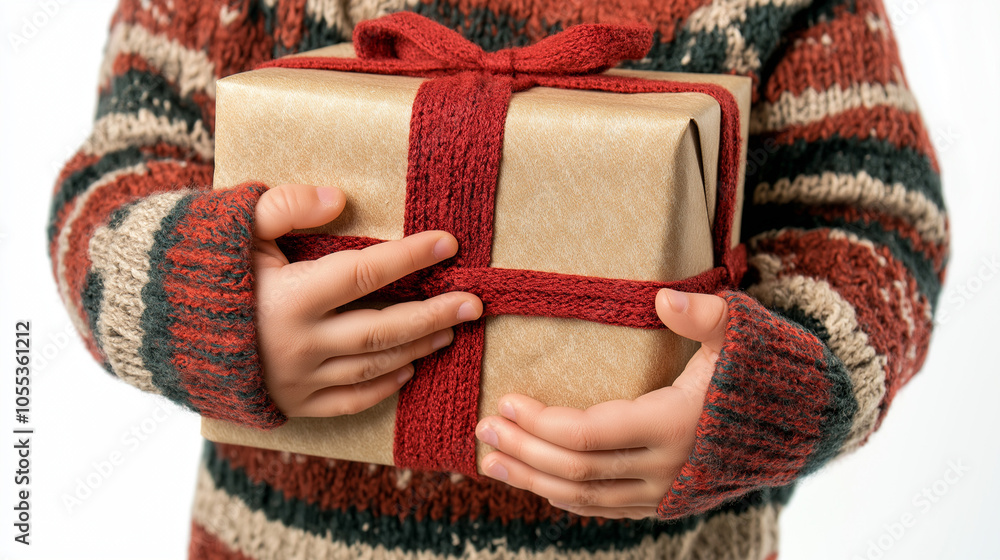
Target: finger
x,y
288,207
362,331
700,317
344,276
635,512
606,493
618,424
345,370
351,399
558,461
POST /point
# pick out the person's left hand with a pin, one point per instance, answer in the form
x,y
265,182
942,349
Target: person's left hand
x,y
615,459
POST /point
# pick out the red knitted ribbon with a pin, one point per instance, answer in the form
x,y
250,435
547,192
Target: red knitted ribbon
x,y
456,137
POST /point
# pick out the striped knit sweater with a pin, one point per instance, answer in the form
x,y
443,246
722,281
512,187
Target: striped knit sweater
x,y
844,222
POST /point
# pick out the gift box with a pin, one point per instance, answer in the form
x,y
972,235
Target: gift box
x,y
600,199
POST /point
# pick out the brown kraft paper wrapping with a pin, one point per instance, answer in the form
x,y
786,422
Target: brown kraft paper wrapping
x,y
591,183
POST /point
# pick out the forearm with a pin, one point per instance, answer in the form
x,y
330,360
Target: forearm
x,y
848,233
152,265
847,241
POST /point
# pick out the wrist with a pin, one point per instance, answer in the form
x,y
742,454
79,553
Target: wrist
x,y
778,406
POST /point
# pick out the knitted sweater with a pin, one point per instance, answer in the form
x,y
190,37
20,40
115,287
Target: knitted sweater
x,y
845,226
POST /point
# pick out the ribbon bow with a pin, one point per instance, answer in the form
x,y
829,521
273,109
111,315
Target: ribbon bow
x,y
404,43
581,49
455,144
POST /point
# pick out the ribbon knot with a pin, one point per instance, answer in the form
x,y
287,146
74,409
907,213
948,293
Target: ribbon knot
x,y
500,62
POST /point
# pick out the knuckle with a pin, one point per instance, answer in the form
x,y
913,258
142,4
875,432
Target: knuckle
x,y
422,318
338,409
385,360
585,496
277,202
378,338
531,484
353,407
366,276
578,470
355,403
581,438
369,370
408,256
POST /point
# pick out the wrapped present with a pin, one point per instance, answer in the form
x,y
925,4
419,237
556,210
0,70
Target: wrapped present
x,y
576,192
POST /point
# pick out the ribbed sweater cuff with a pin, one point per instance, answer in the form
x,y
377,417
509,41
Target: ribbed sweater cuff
x,y
778,406
201,308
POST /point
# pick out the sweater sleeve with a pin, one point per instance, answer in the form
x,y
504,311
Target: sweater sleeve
x,y
847,238
152,265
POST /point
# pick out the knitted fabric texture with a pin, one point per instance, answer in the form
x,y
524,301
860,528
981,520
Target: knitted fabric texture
x,y
192,300
845,227
767,361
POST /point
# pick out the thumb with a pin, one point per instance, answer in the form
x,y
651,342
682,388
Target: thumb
x,y
288,207
700,317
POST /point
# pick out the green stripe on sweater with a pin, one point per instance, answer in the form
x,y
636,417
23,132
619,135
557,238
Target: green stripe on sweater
x,y
357,525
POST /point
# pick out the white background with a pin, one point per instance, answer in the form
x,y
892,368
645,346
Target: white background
x,y
851,509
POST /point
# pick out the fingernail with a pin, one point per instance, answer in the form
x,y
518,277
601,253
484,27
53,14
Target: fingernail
x,y
489,437
327,195
443,248
467,312
404,375
442,339
497,471
678,300
507,410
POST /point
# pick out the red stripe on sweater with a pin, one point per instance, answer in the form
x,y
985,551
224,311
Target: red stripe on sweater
x,y
933,252
78,162
206,546
82,160
288,31
843,51
870,286
212,346
340,485
160,177
197,25
130,61
664,17
902,129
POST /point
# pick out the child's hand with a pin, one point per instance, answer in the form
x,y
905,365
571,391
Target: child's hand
x,y
618,458
317,362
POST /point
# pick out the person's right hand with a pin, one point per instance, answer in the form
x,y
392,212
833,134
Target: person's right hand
x,y
316,361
